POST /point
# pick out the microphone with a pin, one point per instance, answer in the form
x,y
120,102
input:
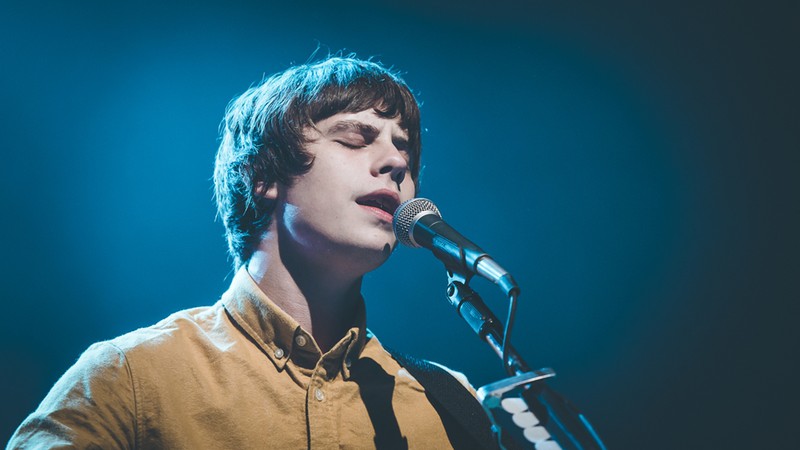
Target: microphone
x,y
418,223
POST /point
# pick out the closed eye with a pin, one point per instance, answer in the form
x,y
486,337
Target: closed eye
x,y
353,134
350,144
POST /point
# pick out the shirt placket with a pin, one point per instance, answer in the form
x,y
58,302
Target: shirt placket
x,y
322,420
322,396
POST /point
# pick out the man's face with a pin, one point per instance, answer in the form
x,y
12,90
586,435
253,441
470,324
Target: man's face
x,y
340,211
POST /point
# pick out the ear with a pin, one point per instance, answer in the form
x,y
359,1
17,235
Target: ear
x,y
267,192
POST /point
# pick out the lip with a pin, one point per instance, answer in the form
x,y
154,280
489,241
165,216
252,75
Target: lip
x,y
382,203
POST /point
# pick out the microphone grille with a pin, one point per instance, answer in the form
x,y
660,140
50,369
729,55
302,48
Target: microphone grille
x,y
405,215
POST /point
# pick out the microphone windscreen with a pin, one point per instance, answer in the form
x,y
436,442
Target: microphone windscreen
x,y
406,214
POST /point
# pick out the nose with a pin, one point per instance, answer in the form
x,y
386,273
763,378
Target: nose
x,y
392,162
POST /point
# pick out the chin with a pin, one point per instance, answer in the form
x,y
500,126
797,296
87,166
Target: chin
x,y
373,257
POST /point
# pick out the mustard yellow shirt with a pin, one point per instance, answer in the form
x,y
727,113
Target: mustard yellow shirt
x,y
240,374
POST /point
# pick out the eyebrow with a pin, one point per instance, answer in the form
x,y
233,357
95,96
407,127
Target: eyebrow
x,y
353,125
366,130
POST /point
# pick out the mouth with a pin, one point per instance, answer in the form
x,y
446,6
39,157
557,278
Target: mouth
x,y
383,202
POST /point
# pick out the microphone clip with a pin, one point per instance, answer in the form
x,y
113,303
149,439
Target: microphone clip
x,y
470,306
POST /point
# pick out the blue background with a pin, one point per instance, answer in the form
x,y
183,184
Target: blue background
x,y
634,165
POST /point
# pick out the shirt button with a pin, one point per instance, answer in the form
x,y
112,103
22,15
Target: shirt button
x,y
279,353
318,394
300,340
348,362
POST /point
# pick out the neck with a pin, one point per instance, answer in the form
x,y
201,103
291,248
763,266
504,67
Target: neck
x,y
322,300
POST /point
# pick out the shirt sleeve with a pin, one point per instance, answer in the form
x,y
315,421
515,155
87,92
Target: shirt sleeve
x,y
91,406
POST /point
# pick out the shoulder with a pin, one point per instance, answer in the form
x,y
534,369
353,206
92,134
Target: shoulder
x,y
96,402
168,347
110,360
92,405
108,370
169,340
173,328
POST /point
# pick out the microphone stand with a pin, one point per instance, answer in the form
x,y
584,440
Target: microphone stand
x,y
545,420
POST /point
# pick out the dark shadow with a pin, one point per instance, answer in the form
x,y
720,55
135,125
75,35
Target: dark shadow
x,y
376,388
459,438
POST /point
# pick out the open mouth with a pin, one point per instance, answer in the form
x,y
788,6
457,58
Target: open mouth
x,y
385,201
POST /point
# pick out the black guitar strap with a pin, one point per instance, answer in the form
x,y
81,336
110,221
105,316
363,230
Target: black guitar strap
x,y
466,422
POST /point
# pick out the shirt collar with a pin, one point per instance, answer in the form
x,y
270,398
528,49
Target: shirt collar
x,y
279,335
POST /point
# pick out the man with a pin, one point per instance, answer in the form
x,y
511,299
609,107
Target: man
x,y
312,164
